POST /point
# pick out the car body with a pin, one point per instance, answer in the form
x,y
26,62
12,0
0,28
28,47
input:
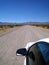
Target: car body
x,y
36,53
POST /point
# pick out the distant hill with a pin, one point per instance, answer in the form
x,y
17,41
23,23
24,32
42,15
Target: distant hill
x,y
31,23
1,23
6,23
25,23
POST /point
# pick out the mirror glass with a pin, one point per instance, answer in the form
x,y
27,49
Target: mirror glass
x,y
21,51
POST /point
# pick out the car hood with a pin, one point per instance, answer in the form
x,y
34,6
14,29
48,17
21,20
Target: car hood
x,y
31,43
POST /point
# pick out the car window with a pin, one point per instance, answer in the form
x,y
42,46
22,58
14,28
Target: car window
x,y
35,57
44,48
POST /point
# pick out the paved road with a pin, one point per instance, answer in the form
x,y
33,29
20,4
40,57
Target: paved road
x,y
10,42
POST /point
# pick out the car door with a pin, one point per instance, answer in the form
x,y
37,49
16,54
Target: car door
x,y
36,55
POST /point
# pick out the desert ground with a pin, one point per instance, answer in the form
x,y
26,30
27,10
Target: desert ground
x,y
18,38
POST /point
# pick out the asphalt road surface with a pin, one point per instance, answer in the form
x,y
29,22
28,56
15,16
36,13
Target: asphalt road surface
x,y
18,38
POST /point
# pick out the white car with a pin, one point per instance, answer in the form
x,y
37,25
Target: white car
x,y
36,53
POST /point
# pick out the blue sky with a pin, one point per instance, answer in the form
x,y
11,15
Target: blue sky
x,y
24,10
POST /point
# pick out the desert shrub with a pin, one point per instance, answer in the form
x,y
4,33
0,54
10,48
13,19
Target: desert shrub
x,y
1,26
37,25
11,26
47,26
43,26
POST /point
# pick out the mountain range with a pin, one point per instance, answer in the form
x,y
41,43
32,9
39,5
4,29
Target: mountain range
x,y
25,23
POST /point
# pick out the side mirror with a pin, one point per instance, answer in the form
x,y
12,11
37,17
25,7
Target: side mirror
x,y
21,51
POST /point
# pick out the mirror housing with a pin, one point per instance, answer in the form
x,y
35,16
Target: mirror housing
x,y
21,51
